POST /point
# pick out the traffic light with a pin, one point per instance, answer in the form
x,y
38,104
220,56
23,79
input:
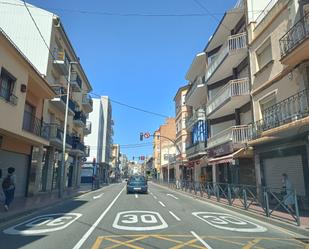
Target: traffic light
x,y
142,158
141,136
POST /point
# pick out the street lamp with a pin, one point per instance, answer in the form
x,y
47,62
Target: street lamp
x,y
62,168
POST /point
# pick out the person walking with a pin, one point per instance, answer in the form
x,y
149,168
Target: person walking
x,y
8,187
288,198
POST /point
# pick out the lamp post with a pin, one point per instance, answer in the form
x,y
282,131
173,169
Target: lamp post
x,y
62,168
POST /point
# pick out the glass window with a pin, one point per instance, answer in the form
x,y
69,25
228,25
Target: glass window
x,y
6,85
264,54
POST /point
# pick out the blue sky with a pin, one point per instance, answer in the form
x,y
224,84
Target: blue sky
x,y
137,60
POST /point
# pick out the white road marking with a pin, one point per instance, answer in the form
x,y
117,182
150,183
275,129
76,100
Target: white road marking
x,y
150,220
97,196
162,204
155,197
136,196
175,216
44,224
91,229
172,196
201,240
229,222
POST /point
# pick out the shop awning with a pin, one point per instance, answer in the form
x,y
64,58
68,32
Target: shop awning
x,y
241,153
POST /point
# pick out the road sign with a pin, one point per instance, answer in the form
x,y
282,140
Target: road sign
x,y
43,224
139,221
147,135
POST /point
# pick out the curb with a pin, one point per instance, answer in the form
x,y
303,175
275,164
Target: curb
x,y
32,210
272,221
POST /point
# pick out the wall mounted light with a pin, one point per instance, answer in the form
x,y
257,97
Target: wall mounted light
x,y
23,88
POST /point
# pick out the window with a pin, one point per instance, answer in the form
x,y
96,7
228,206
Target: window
x,y
268,113
7,82
29,118
264,54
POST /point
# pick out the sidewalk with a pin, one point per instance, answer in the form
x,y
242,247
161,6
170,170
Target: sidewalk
x,y
25,205
278,218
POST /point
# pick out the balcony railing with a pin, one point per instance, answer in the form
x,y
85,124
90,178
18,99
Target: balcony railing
x,y
284,112
198,81
60,56
80,116
77,144
75,79
8,96
233,43
87,128
195,148
35,125
236,134
197,115
56,132
297,34
61,91
233,88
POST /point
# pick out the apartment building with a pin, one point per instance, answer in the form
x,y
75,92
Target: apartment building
x,y
165,150
279,53
23,131
196,125
59,64
182,111
115,161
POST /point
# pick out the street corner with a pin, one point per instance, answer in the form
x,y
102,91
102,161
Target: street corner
x,y
141,241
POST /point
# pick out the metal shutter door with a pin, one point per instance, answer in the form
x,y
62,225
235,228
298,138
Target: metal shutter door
x,y
20,163
291,165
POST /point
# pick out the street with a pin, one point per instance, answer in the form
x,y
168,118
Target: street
x,y
109,218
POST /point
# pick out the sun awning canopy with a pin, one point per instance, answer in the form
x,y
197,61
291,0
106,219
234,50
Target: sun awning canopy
x,y
241,153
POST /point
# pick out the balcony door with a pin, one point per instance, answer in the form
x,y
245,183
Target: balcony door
x,y
29,118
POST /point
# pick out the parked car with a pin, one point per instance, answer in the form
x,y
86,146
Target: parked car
x,y
137,184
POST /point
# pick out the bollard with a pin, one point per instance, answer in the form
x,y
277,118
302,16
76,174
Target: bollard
x,y
245,198
208,191
217,193
296,209
267,202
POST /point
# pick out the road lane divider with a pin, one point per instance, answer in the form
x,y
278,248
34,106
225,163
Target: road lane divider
x,y
97,196
175,216
96,223
201,240
162,204
136,196
173,196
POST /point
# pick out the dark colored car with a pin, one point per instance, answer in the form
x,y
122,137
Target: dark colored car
x,y
137,184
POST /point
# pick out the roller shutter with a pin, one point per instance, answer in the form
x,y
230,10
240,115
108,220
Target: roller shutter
x,y
291,165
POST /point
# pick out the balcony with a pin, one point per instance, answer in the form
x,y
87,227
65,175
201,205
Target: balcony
x,y
197,116
285,112
87,128
56,136
294,45
76,82
195,149
7,96
35,126
87,103
77,146
238,135
87,151
60,100
234,94
79,119
232,52
196,94
61,61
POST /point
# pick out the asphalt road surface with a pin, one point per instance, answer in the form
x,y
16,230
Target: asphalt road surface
x,y
109,218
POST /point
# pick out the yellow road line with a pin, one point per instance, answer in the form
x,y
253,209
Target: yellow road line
x,y
252,243
97,243
225,240
187,244
126,243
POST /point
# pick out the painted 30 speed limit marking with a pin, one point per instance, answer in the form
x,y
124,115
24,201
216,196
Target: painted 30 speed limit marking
x,y
229,222
43,224
139,221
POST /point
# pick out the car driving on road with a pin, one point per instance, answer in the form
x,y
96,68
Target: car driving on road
x,y
137,184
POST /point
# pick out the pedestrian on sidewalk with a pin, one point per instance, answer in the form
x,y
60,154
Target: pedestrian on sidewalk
x,y
8,187
288,198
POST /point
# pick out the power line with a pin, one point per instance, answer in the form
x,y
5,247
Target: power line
x,y
105,13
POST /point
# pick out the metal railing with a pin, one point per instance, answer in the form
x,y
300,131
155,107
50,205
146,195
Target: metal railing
x,y
7,95
77,144
56,132
286,111
35,125
297,34
232,88
87,100
61,92
237,134
197,115
265,11
198,81
88,127
76,79
197,147
270,202
79,115
233,43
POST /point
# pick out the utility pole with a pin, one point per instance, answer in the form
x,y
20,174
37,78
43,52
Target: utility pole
x,y
62,169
